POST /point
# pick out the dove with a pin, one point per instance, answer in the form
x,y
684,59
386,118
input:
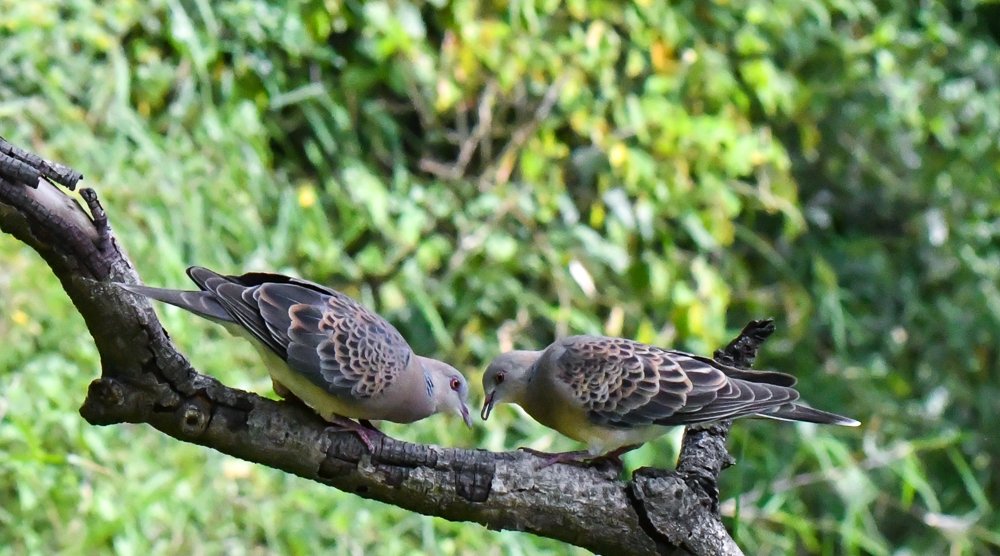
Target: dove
x,y
335,355
615,394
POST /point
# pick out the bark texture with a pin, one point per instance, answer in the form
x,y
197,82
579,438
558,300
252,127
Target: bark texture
x,y
145,380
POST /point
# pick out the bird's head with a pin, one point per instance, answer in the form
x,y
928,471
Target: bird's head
x,y
506,379
450,390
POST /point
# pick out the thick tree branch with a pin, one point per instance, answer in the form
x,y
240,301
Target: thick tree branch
x,y
145,380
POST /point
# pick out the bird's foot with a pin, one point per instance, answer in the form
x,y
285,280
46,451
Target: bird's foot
x,y
578,457
365,430
612,459
615,456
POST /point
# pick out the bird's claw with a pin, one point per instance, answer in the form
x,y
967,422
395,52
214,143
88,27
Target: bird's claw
x,y
612,459
579,457
365,430
363,434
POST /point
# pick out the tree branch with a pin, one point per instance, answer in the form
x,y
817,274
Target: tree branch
x,y
145,380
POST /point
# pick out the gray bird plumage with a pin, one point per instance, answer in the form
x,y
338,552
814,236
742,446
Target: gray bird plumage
x,y
330,351
615,392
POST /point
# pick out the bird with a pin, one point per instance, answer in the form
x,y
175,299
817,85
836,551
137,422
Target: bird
x,y
615,394
319,345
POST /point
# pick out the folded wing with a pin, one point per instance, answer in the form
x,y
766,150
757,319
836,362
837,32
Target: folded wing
x,y
623,383
334,341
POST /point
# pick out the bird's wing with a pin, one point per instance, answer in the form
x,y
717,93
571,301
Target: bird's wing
x,y
334,341
771,377
623,383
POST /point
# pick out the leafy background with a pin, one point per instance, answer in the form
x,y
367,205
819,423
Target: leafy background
x,y
490,175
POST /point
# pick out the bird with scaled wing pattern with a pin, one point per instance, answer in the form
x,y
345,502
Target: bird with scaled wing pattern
x,y
615,394
338,357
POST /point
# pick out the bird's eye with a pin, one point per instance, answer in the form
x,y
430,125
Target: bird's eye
x,y
455,384
499,378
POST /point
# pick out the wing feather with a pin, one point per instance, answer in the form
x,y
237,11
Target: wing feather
x,y
623,383
332,340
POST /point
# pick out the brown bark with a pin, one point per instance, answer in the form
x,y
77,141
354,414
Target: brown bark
x,y
145,380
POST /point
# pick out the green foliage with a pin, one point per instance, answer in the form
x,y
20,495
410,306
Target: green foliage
x,y
491,175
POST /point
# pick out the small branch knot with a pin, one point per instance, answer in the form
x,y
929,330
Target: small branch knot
x,y
106,402
195,416
108,391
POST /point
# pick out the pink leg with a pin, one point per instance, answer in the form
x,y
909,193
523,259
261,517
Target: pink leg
x,y
578,456
583,457
614,457
365,430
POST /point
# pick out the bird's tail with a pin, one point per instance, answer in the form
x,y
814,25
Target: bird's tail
x,y
796,412
203,304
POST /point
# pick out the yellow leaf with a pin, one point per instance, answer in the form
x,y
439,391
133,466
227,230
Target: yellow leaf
x,y
307,196
20,318
660,55
696,319
618,154
597,215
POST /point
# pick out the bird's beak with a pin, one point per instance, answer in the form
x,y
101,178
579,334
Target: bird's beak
x,y
466,416
488,405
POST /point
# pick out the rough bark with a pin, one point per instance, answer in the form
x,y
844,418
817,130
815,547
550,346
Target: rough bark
x,y
145,380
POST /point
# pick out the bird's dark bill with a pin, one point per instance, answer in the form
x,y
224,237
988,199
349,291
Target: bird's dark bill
x,y
466,416
487,406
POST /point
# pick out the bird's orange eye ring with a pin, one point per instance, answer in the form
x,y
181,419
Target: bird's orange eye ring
x,y
499,378
455,384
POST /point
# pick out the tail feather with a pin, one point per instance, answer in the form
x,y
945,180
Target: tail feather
x,y
796,412
202,276
200,303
